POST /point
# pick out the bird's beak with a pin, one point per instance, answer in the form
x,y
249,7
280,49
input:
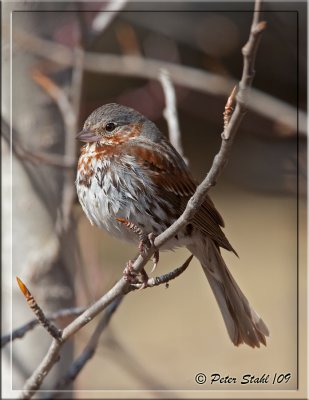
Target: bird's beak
x,y
88,136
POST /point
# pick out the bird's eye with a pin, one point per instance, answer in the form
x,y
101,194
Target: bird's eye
x,y
110,126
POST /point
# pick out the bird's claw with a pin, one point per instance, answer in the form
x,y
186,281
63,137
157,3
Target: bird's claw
x,y
137,279
146,243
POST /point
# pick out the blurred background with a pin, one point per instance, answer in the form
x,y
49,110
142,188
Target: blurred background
x,y
69,58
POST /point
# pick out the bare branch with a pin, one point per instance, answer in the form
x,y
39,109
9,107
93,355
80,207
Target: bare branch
x,y
228,134
122,287
19,332
91,346
130,65
164,279
105,17
43,320
170,112
56,316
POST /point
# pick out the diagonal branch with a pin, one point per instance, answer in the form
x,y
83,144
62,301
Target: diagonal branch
x,y
122,287
43,320
20,332
164,279
106,15
90,348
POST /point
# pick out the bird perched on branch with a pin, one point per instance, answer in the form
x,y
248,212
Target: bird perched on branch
x,y
129,171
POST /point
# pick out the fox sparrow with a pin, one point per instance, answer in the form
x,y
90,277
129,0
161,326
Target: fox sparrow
x,y
129,170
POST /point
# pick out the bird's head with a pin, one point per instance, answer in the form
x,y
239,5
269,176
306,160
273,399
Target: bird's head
x,y
114,124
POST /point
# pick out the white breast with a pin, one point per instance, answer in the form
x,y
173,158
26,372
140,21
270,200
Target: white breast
x,y
119,190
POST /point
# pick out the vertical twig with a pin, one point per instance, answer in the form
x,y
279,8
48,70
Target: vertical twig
x,y
170,112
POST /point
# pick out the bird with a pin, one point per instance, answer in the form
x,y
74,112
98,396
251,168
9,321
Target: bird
x,y
128,170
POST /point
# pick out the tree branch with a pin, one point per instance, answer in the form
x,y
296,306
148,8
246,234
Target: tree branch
x,y
122,287
71,312
105,17
136,66
170,112
27,327
91,346
45,322
164,279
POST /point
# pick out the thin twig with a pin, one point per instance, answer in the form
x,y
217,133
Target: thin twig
x,y
164,279
170,112
90,348
136,66
20,332
122,287
43,320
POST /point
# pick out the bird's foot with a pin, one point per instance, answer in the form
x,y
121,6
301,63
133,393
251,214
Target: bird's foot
x,y
137,279
146,243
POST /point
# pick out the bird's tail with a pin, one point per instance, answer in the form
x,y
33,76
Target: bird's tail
x,y
243,324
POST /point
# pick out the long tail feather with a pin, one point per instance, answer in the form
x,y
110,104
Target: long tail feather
x,y
243,324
